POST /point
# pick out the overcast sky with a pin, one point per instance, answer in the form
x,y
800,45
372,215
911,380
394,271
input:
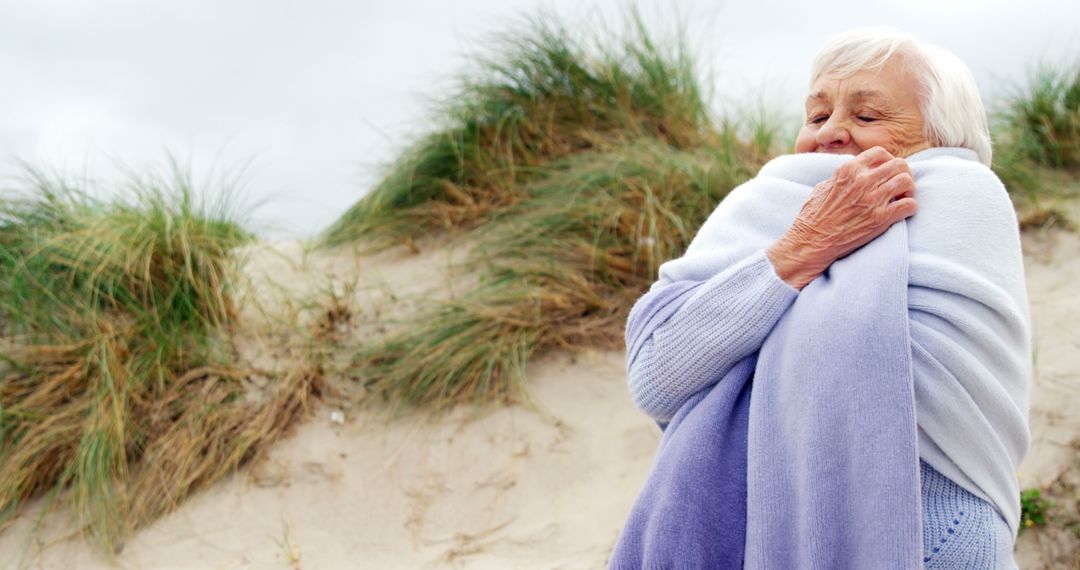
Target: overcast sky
x,y
317,95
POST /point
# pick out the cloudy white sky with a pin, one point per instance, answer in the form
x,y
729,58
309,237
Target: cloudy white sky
x,y
316,95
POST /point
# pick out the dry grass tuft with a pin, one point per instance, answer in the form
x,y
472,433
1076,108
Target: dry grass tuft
x,y
561,269
550,92
580,162
120,390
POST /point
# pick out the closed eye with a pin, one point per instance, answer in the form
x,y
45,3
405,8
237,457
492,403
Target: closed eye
x,y
867,119
819,119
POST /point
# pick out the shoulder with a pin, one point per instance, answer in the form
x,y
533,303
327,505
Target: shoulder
x,y
956,174
783,179
959,164
807,168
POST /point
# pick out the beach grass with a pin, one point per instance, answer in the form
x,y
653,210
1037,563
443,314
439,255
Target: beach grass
x,y
538,93
559,269
578,166
1043,121
1036,131
119,388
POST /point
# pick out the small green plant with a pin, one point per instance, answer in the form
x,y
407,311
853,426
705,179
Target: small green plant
x,y
1033,508
289,551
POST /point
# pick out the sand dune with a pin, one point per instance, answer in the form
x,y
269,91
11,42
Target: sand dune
x,y
546,486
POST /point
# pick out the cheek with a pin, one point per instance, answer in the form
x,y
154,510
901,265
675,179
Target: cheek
x,y
867,137
909,133
895,138
806,141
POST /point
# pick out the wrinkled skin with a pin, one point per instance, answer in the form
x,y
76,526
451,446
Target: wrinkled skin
x,y
875,115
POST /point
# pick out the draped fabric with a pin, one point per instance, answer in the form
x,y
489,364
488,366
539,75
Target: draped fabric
x,y
804,453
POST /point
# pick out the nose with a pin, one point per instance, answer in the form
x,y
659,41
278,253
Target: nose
x,y
834,133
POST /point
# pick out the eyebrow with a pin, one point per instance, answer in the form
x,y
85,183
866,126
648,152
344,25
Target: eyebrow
x,y
860,95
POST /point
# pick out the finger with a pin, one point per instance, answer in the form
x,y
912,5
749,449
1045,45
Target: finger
x,y
890,168
907,191
900,186
900,209
874,156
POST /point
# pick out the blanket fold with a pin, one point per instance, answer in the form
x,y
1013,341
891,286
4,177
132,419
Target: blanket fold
x,y
805,454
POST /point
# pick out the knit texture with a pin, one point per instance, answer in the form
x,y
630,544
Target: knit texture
x,y
832,442
960,530
735,309
697,517
721,303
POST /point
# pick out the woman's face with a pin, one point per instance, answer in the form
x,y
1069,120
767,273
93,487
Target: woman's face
x,y
875,107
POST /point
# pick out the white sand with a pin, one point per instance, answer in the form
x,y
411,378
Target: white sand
x,y
513,488
1052,270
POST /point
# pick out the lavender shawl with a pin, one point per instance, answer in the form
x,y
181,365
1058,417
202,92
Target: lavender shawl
x,y
805,453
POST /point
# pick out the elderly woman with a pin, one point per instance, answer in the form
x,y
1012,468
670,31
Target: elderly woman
x,y
841,359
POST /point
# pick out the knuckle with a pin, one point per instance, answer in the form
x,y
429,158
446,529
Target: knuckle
x,y
877,152
905,208
898,182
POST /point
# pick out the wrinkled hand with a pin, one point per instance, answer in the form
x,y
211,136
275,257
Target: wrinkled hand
x,y
865,196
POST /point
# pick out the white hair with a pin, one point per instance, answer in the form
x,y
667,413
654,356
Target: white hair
x,y
951,106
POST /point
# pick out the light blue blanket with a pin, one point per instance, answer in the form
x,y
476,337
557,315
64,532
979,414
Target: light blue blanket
x,y
794,428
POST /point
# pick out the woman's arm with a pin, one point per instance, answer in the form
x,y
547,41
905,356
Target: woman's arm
x,y
723,320
728,317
